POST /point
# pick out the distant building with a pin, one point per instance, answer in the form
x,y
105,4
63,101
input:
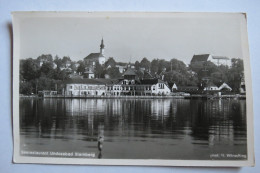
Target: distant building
x,y
188,89
93,58
224,86
198,61
89,73
121,68
173,87
211,87
84,87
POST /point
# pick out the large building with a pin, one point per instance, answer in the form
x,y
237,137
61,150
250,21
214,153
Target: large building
x,y
99,57
198,61
129,85
92,59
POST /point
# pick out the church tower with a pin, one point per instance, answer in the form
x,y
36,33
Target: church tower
x,y
102,47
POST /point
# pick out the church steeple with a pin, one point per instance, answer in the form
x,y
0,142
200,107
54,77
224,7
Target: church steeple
x,y
102,47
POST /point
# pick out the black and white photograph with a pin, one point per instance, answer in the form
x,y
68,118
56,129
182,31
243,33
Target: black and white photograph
x,y
132,88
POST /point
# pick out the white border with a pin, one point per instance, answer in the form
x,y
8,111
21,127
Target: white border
x,y
17,18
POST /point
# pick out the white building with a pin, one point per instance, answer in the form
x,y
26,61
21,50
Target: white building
x,y
198,61
84,87
93,58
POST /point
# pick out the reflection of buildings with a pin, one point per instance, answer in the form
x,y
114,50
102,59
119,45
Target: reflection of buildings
x,y
160,108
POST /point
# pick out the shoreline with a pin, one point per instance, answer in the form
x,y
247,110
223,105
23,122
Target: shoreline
x,y
207,97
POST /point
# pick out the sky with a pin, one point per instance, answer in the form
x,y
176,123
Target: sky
x,y
131,37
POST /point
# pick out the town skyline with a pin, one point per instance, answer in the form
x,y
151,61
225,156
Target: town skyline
x,y
131,39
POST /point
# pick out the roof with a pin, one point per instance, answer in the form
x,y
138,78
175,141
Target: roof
x,y
129,71
199,58
220,57
151,81
92,56
147,75
224,85
99,81
172,84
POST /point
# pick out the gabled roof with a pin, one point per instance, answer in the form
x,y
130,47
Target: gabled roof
x,y
129,71
172,84
224,85
151,81
220,57
99,81
200,58
93,56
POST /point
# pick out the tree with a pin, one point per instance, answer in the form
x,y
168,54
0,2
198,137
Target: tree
x,y
235,74
29,69
65,60
145,63
47,70
137,65
26,88
113,72
99,71
110,62
81,67
177,65
155,66
45,58
73,66
58,61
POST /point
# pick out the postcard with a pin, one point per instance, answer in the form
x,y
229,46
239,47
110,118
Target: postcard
x,y
132,88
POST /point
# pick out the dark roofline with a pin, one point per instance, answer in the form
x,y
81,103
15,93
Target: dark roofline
x,y
99,81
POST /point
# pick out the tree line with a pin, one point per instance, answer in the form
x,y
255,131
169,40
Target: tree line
x,y
48,73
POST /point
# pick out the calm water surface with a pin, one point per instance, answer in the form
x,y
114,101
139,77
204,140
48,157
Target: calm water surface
x,y
135,128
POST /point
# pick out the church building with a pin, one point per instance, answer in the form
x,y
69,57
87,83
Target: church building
x,y
92,59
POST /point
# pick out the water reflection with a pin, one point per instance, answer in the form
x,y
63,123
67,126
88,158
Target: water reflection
x,y
131,128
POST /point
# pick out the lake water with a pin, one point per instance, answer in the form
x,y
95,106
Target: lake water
x,y
134,128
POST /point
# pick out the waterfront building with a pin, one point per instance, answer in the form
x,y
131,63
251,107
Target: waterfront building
x,y
132,85
84,87
224,87
211,87
173,87
129,85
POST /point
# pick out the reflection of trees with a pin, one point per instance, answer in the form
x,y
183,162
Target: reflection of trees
x,y
80,118
216,120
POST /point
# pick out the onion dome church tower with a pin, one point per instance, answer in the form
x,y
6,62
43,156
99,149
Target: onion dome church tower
x,y
102,47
